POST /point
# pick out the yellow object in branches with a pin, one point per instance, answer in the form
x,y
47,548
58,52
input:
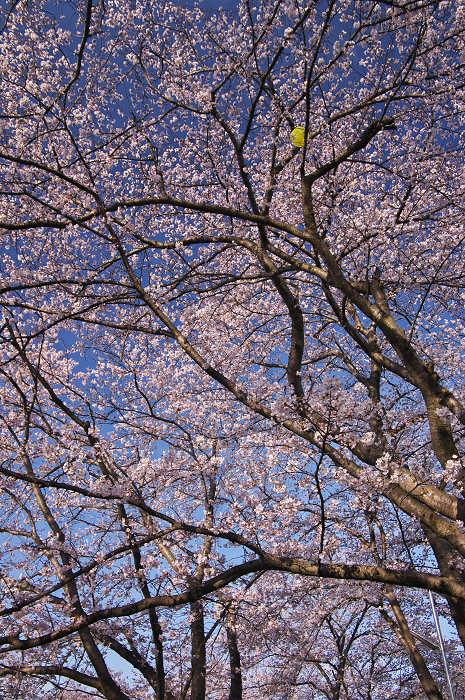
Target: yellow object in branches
x,y
298,136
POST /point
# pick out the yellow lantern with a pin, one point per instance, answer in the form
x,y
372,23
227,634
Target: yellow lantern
x,y
298,136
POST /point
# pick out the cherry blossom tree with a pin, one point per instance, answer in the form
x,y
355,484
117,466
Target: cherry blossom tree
x,y
231,368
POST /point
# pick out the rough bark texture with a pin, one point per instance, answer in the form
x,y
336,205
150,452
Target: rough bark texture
x,y
405,636
198,653
235,690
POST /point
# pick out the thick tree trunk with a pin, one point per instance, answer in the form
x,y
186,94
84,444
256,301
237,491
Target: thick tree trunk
x,y
445,558
235,691
405,636
198,652
337,688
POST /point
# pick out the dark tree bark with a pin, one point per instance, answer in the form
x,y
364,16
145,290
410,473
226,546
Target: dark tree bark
x,y
235,690
198,652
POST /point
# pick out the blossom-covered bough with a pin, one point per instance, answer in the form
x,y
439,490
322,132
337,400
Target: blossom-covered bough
x,y
232,386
